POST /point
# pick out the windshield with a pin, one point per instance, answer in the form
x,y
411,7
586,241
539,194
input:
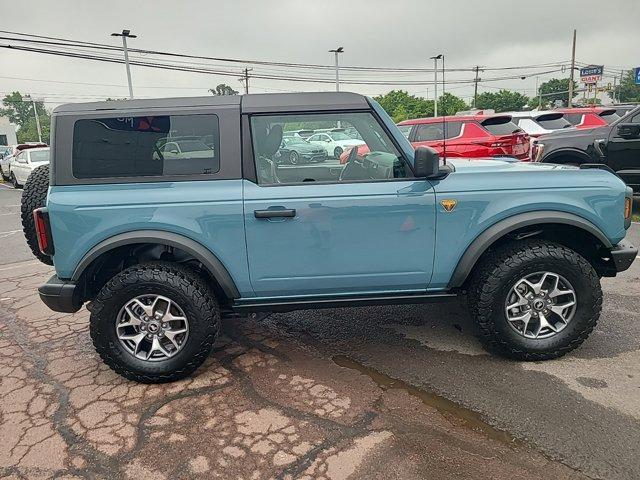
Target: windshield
x,y
610,116
405,130
500,126
193,146
294,141
553,121
40,156
337,136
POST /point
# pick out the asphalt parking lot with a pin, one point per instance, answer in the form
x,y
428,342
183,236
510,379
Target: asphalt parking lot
x,y
384,392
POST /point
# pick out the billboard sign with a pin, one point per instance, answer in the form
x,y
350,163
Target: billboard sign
x,y
591,74
637,75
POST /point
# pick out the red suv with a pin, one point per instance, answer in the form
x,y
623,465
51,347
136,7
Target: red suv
x,y
477,136
589,117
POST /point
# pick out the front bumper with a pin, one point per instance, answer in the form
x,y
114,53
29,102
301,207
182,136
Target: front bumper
x,y
60,295
623,255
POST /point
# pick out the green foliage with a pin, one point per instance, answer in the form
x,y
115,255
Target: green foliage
x,y
502,101
628,91
402,106
223,89
449,104
590,101
556,89
28,132
20,112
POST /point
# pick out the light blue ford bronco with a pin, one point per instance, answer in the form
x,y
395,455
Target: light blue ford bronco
x,y
166,215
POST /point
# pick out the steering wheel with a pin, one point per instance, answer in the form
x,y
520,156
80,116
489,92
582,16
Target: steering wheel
x,y
353,154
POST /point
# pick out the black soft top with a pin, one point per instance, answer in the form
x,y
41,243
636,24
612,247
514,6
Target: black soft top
x,y
252,103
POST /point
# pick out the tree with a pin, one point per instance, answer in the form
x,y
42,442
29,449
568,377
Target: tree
x,y
223,89
628,91
28,132
20,112
400,105
449,104
502,101
555,89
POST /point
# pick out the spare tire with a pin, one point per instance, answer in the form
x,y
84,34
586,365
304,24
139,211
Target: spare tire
x,y
34,195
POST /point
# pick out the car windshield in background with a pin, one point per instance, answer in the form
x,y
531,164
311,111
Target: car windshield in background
x,y
40,156
554,121
610,116
294,141
405,130
338,136
500,126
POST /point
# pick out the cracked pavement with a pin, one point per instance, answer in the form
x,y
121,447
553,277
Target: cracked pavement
x,y
264,405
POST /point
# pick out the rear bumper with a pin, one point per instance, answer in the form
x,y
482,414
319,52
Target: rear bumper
x,y
623,255
60,295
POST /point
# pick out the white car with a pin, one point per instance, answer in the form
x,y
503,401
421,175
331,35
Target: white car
x,y
334,142
537,123
25,162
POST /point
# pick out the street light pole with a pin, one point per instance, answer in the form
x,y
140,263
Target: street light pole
x,y
435,83
35,111
336,51
126,34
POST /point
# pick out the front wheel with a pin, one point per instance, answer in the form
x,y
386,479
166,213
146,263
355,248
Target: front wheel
x,y
14,181
155,322
294,158
534,300
337,152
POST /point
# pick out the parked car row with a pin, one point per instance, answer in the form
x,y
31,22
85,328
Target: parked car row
x,y
572,136
18,161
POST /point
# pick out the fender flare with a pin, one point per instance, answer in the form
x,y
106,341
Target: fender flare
x,y
487,238
584,157
197,250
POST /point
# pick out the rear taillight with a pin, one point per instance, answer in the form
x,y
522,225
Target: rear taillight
x,y
628,207
43,231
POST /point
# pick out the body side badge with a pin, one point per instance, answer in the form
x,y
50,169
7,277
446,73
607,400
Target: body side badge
x,y
449,205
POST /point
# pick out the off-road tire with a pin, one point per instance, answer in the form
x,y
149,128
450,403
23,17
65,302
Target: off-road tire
x,y
34,195
175,281
497,273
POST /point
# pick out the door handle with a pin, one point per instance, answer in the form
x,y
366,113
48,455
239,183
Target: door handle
x,y
275,213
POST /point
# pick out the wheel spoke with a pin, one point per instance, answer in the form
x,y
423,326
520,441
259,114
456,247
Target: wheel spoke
x,y
533,303
147,309
156,346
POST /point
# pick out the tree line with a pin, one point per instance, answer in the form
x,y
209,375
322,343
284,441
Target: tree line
x,y
399,104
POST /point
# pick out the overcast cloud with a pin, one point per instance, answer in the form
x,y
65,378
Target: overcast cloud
x,y
399,33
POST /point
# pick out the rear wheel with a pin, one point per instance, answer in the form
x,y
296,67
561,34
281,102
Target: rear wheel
x,y
155,322
534,300
34,196
337,152
4,177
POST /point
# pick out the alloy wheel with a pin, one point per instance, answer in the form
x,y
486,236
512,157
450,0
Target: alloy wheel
x,y
152,327
540,305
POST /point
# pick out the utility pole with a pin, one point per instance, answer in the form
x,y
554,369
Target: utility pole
x,y
539,93
336,51
35,111
245,79
126,34
435,83
573,66
475,88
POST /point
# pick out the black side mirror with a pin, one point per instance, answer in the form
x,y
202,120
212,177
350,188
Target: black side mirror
x,y
426,162
629,130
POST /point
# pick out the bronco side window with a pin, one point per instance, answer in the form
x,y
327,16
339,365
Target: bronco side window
x,y
143,146
346,147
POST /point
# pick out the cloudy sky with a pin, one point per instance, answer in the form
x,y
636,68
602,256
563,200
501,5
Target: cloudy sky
x,y
374,33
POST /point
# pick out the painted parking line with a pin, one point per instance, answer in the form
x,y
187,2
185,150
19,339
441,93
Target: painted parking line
x,y
9,233
20,265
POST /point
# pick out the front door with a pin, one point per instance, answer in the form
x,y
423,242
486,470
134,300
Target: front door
x,y
623,152
329,229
